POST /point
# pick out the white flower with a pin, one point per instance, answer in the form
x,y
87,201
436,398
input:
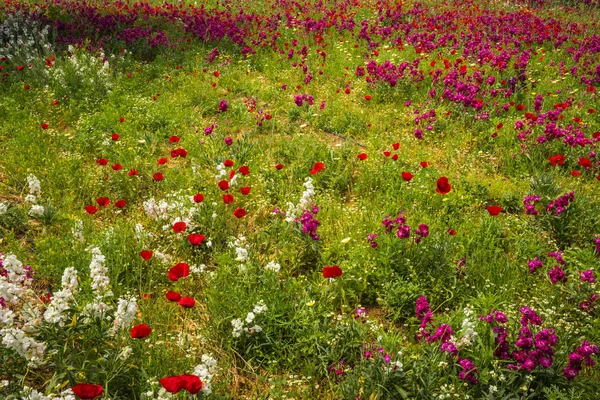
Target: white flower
x,y
14,268
15,339
125,314
205,371
238,327
250,317
30,198
35,188
3,208
77,231
260,307
273,266
100,282
125,353
36,211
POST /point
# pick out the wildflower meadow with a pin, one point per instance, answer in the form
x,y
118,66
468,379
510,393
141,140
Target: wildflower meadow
x,y
311,199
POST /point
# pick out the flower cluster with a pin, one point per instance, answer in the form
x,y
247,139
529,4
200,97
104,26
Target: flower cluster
x,y
240,327
581,356
558,206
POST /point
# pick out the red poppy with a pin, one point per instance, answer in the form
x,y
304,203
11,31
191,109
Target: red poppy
x,y
332,271
387,153
347,91
115,136
191,383
120,203
173,296
367,97
179,226
244,170
146,296
44,125
451,232
117,167
121,119
224,185
396,146
228,163
175,384
20,68
494,210
216,74
407,176
180,152
228,198
319,166
26,87
245,190
181,270
103,201
239,212
443,187
91,209
395,157
132,172
279,166
198,198
187,302
174,139
362,156
172,384
158,176
424,164
162,160
146,254
231,174
495,134
575,173
557,159
520,107
195,239
585,162
102,161
87,390
140,331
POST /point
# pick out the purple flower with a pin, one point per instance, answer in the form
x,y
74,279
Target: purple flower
x,y
228,141
534,264
557,275
468,372
587,276
223,106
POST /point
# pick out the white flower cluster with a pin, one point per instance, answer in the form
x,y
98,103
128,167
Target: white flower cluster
x,y
305,201
221,171
239,326
468,333
175,202
77,231
31,394
3,208
24,40
61,299
241,248
100,285
14,269
125,314
205,371
88,70
17,340
35,188
273,266
100,282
